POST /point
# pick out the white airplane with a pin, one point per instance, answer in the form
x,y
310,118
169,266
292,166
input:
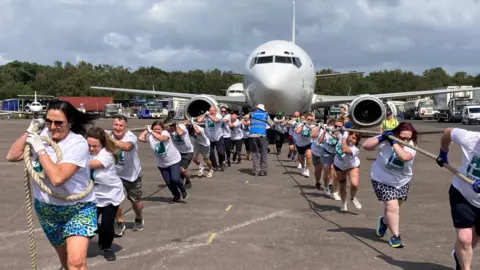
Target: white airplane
x,y
35,106
281,75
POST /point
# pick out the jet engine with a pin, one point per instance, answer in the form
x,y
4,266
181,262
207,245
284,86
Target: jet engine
x,y
199,105
366,111
390,106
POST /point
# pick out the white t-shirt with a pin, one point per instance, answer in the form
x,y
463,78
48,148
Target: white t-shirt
x,y
326,147
237,133
388,169
245,131
165,152
226,131
201,138
182,143
304,137
469,141
278,126
128,166
108,186
213,130
346,161
74,150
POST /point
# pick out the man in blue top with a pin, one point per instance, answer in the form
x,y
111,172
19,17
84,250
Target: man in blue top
x,y
259,120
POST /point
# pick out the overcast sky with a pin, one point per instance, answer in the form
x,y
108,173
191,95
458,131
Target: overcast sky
x,y
344,35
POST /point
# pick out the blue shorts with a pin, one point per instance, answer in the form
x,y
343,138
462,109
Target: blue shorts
x,y
61,221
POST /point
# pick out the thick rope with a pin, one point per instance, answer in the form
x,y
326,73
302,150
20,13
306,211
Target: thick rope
x,y
37,177
422,151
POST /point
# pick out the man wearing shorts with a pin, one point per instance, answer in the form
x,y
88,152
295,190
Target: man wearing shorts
x,y
129,170
201,146
181,140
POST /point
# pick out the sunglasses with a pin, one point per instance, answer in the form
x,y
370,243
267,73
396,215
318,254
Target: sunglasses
x,y
57,123
223,111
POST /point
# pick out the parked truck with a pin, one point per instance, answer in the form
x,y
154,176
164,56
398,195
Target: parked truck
x,y
449,106
421,108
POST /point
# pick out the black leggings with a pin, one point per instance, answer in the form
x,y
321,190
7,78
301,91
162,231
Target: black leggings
x,y
220,146
237,145
228,147
279,139
247,144
106,230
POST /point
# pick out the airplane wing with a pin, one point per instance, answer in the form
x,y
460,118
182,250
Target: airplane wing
x,y
339,74
240,100
321,101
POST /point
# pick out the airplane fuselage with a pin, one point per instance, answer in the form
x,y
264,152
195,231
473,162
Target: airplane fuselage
x,y
280,75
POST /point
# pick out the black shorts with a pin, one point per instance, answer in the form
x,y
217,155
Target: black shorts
x,y
186,159
302,149
340,170
464,214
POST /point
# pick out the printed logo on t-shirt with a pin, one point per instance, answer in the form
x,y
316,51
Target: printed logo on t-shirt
x,y
338,149
178,139
37,166
473,169
306,132
210,124
160,150
121,158
394,163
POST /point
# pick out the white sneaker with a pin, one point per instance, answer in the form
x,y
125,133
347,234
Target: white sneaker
x,y
344,207
200,171
306,173
299,166
210,173
356,203
335,196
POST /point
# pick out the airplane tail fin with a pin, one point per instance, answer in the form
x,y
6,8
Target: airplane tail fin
x,y
293,23
35,98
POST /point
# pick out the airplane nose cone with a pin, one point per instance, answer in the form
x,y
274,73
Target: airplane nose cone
x,y
273,79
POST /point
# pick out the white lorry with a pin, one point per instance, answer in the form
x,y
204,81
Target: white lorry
x,y
450,106
421,108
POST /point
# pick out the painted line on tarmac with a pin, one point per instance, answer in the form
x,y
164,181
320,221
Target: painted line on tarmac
x,y
187,245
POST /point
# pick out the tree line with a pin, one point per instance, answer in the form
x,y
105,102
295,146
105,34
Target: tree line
x,y
67,79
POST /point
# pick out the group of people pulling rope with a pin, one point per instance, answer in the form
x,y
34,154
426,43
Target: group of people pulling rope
x,y
81,174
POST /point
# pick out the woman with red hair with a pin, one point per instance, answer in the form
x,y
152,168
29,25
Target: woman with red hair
x,y
391,174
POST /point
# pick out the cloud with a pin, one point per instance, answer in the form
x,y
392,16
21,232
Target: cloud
x,y
206,34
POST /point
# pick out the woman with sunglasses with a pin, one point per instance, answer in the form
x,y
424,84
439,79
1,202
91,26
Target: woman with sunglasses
x,y
391,174
108,186
68,225
347,163
303,143
168,158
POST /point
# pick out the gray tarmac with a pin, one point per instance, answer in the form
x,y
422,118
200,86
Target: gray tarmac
x,y
236,221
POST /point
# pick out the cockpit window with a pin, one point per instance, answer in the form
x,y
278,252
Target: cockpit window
x,y
265,59
252,63
297,62
283,59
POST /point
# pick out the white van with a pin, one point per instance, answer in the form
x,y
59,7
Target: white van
x,y
471,114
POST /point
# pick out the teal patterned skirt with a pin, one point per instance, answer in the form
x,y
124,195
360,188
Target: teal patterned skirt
x,y
61,221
